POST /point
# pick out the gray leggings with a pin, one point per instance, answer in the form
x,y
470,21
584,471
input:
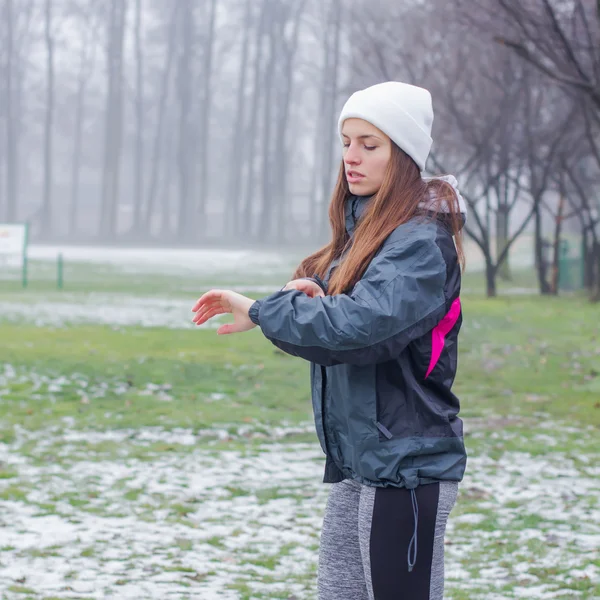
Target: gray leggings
x,y
384,543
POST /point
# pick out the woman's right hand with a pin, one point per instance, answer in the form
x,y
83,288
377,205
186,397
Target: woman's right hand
x,y
310,288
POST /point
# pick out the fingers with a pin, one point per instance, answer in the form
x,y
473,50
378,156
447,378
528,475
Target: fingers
x,y
212,306
208,298
208,306
226,329
201,318
204,314
313,292
310,288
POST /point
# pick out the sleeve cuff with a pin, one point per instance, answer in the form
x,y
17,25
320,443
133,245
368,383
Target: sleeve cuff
x,y
253,312
319,282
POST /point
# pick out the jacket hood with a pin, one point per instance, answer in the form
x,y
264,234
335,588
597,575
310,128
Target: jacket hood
x,y
444,208
356,205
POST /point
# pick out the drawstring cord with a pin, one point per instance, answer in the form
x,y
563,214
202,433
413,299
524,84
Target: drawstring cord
x,y
412,547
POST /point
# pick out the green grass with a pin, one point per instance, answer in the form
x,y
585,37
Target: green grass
x,y
523,357
474,282
531,357
256,381
528,381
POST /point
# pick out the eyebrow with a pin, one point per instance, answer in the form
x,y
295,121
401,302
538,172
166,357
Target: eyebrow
x,y
364,137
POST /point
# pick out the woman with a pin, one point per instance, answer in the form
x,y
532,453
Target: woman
x,y
377,313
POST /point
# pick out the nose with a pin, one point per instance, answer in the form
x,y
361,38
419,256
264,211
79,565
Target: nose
x,y
352,155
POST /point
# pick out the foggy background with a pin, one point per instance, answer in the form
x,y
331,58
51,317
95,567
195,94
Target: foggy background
x,y
208,123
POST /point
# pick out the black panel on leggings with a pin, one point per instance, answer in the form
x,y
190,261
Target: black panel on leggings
x,y
391,532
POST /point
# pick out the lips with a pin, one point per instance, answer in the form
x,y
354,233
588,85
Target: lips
x,y
354,176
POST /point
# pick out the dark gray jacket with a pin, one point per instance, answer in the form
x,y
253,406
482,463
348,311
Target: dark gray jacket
x,y
383,359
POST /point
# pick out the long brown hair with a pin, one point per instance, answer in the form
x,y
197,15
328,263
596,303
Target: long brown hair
x,y
396,202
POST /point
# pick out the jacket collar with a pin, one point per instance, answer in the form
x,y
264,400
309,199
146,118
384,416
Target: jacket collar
x,y
355,207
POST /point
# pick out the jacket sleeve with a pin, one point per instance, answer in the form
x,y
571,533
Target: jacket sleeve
x,y
399,298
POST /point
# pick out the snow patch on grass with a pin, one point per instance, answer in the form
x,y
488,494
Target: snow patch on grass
x,y
189,524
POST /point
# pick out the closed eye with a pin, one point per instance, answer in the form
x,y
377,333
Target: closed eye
x,y
369,148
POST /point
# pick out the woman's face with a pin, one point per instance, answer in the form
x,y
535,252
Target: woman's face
x,y
367,152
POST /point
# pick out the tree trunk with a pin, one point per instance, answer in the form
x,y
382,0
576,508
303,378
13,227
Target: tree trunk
x,y
158,137
118,121
114,120
585,257
84,74
282,130
204,133
318,203
46,215
186,213
335,20
167,224
139,120
106,198
490,278
591,262
253,129
595,289
490,268
264,222
238,139
502,236
76,163
10,121
540,257
554,286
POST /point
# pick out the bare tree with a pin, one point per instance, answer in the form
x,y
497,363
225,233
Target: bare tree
x,y
558,38
166,182
46,215
186,214
10,210
286,87
580,187
561,41
114,119
332,68
139,121
264,219
86,69
275,70
253,122
20,40
157,151
238,137
317,203
205,111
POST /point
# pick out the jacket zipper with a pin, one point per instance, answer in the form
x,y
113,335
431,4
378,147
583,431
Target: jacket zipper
x,y
323,390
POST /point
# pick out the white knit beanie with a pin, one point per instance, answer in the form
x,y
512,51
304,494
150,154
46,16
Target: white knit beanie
x,y
403,112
